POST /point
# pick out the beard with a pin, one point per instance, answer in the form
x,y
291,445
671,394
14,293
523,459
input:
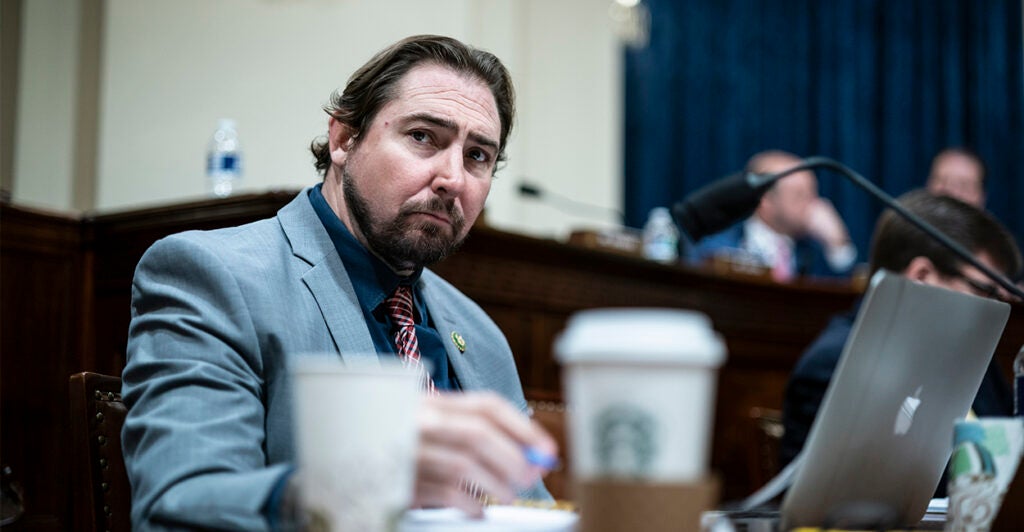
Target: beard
x,y
401,242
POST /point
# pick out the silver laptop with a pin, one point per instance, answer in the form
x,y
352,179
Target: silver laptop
x,y
912,365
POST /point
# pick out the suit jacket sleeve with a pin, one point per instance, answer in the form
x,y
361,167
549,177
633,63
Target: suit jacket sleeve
x,y
194,437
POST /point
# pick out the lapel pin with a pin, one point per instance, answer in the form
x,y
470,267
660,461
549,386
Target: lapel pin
x,y
459,342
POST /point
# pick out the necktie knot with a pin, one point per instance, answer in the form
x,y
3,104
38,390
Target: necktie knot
x,y
400,306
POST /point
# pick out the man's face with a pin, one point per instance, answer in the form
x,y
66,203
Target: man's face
x,y
957,176
413,184
788,203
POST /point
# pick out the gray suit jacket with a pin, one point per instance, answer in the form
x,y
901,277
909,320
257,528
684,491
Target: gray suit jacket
x,y
215,316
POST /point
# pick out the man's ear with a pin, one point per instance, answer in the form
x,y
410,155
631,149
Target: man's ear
x,y
340,139
922,270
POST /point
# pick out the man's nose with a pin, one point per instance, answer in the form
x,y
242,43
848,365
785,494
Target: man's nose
x,y
450,174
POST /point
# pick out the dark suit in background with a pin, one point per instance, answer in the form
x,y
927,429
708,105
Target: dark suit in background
x,y
808,254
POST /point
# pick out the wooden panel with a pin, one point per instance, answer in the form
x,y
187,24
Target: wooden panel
x,y
41,285
118,241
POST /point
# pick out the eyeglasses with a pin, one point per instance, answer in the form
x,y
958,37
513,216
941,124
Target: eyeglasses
x,y
982,289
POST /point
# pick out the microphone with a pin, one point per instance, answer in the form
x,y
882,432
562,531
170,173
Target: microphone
x,y
565,204
722,203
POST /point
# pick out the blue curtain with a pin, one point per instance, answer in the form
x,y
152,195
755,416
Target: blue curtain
x,y
878,85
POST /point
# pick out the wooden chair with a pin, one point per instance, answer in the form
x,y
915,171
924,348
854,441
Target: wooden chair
x,y
102,494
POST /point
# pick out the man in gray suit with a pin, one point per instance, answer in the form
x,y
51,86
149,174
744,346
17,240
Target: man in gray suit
x,y
412,145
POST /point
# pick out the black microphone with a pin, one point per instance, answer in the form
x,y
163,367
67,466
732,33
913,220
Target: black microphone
x,y
528,189
722,203
564,204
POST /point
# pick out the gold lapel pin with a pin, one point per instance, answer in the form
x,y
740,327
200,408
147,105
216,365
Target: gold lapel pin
x,y
459,342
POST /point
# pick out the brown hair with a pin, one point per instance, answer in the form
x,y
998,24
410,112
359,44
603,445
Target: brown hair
x,y
373,85
897,242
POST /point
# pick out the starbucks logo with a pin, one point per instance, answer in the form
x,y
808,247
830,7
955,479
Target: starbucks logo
x,y
625,441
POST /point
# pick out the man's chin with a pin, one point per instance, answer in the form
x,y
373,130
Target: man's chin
x,y
423,250
435,245
433,236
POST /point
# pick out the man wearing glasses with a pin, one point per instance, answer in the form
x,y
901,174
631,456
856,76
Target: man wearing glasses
x,y
899,246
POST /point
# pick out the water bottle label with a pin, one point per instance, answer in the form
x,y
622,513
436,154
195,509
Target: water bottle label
x,y
229,162
662,248
222,162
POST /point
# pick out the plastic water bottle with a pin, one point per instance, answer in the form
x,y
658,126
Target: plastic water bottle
x,y
1018,383
661,238
224,159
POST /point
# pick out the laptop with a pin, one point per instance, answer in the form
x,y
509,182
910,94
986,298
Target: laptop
x,y
912,365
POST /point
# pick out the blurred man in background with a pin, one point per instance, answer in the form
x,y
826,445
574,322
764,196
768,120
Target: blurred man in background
x,y
793,232
960,173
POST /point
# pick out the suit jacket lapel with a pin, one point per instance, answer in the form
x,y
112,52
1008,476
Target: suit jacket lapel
x,y
327,279
470,376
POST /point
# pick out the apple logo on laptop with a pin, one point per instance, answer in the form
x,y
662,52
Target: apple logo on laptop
x,y
906,414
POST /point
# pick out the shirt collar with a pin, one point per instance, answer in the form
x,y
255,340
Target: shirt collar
x,y
763,240
371,278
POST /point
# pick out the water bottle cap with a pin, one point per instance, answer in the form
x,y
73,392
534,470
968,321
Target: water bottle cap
x,y
226,123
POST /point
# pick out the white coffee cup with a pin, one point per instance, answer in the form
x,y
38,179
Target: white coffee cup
x,y
640,384
356,436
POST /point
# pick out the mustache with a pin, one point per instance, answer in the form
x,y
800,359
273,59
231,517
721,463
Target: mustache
x,y
437,205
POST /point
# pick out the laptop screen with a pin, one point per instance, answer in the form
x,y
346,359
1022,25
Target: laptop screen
x,y
911,366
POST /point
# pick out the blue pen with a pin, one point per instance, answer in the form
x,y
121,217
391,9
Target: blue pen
x,y
540,458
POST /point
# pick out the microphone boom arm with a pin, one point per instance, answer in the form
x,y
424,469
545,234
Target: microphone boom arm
x,y
890,202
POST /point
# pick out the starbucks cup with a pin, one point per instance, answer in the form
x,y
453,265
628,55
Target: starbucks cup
x,y
640,384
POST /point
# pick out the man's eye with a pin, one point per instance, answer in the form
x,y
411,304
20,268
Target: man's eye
x,y
479,156
418,136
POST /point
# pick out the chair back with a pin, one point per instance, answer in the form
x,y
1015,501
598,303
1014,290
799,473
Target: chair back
x,y
102,494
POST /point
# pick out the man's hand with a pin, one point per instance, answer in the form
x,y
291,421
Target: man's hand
x,y
825,225
474,437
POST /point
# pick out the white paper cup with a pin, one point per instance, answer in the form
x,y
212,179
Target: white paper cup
x,y
356,437
641,387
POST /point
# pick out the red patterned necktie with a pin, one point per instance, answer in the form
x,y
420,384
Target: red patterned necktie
x,y
400,308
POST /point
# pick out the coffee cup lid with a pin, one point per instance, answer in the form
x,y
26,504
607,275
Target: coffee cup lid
x,y
640,335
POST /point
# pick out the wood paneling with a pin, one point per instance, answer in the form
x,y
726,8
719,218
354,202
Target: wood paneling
x,y
41,283
118,240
